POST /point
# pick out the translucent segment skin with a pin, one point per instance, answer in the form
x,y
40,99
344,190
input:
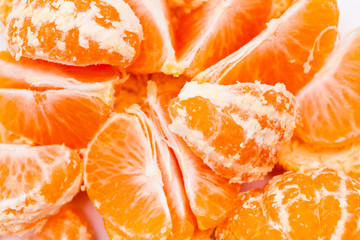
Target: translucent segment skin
x,y
290,51
74,32
211,196
318,204
68,224
329,111
48,117
35,182
216,29
236,129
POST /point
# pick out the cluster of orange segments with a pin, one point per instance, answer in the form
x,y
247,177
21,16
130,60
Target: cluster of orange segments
x,y
161,109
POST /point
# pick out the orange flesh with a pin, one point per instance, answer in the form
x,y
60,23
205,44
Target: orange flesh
x,y
216,29
68,224
123,156
35,183
290,51
320,204
183,220
157,53
329,104
236,129
48,117
74,32
211,197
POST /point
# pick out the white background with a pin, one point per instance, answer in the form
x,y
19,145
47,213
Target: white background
x,y
349,20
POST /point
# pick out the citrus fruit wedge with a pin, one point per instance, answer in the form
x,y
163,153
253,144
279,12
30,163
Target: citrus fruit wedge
x,y
318,204
216,29
157,52
41,75
290,51
236,129
183,221
68,224
123,179
35,183
52,116
74,32
211,197
329,110
296,155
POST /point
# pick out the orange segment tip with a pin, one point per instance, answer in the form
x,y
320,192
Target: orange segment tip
x,y
320,204
35,183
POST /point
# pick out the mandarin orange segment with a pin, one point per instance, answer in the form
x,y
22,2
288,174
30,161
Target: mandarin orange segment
x,y
236,129
35,182
183,221
75,32
329,104
41,75
247,221
53,116
216,29
68,224
211,197
319,204
290,51
123,179
157,52
296,155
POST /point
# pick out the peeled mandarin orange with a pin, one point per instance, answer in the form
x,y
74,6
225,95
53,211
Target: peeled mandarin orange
x,y
216,29
319,204
75,32
41,75
35,183
290,51
211,197
157,52
123,157
329,104
236,129
68,224
247,221
52,116
183,221
296,155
